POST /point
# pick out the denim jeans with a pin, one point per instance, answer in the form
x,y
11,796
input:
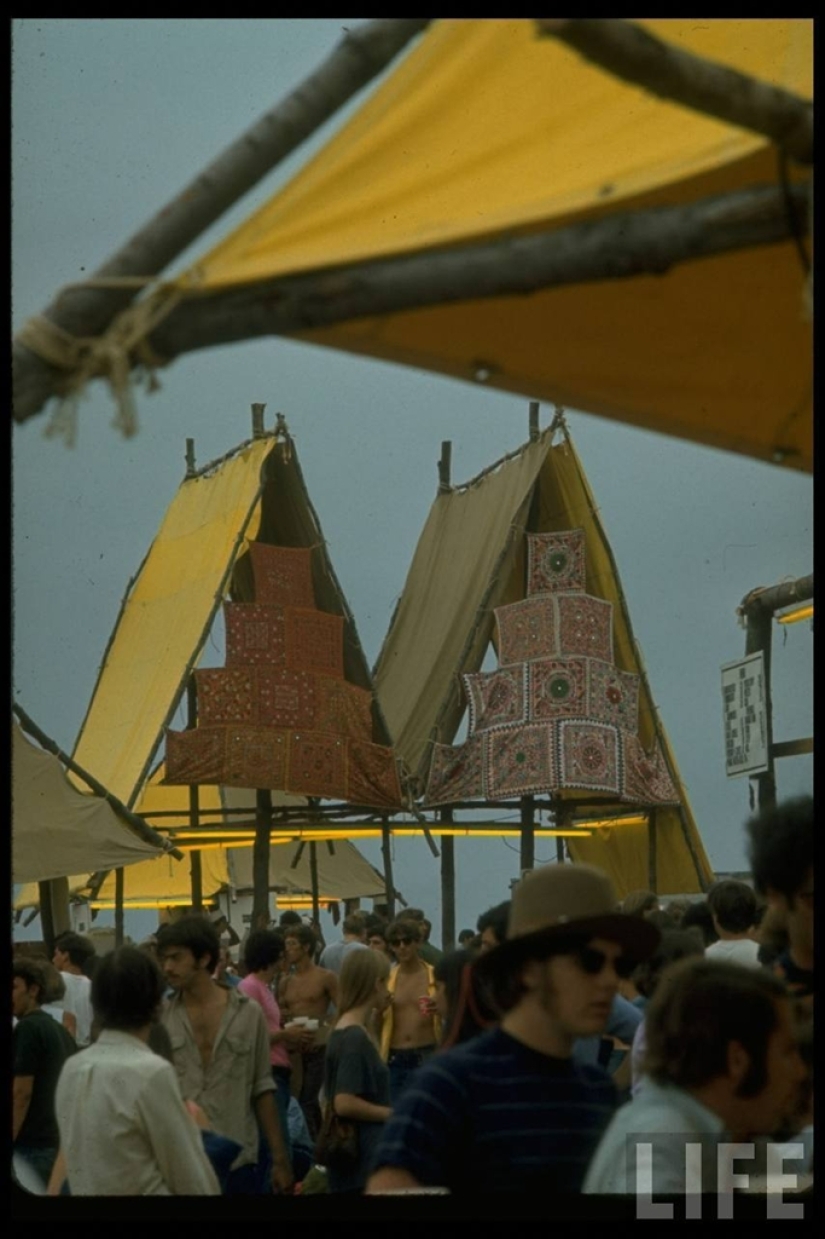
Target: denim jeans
x,y
402,1065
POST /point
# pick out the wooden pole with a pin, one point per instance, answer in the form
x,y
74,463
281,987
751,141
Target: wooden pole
x,y
313,875
119,914
260,859
759,623
195,866
190,458
258,421
534,421
444,467
528,838
386,852
652,878
447,885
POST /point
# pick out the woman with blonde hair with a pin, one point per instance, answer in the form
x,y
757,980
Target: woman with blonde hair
x,y
356,1080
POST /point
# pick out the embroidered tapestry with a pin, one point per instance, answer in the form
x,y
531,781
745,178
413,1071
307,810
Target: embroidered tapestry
x,y
555,561
496,697
557,712
283,575
519,760
280,714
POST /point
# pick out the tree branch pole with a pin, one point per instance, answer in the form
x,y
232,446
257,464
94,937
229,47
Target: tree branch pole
x,y
633,54
617,247
86,310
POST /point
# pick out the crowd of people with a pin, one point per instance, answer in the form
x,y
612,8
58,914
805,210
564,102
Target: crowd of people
x,y
571,1043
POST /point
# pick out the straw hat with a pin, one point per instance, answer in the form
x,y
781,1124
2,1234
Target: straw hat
x,y
558,902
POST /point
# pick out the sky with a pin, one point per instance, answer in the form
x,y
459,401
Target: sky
x,y
110,119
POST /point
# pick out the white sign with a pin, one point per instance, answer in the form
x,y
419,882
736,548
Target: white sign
x,y
746,716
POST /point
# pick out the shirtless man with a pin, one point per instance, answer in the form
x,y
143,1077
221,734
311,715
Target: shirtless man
x,y
412,1029
220,1045
310,991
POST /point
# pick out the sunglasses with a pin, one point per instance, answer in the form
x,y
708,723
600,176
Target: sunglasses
x,y
593,962
401,941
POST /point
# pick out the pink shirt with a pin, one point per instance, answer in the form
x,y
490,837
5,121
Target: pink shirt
x,y
262,994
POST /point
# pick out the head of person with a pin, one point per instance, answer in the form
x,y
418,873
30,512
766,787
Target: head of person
x,y
29,985
289,919
127,990
568,945
781,853
187,948
698,918
413,914
674,944
377,939
426,929
363,981
263,952
355,926
299,943
492,926
460,998
72,950
640,903
404,939
732,905
726,1033
466,938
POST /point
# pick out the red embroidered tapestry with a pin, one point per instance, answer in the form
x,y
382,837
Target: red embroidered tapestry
x,y
283,575
280,714
555,561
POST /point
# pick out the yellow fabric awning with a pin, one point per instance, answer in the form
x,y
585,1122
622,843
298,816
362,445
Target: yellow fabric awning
x,y
487,131
165,619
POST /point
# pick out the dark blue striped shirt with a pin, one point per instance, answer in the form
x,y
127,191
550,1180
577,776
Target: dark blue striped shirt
x,y
492,1115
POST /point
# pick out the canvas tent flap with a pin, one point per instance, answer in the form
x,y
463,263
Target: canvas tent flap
x,y
165,618
346,874
487,131
463,552
57,830
159,883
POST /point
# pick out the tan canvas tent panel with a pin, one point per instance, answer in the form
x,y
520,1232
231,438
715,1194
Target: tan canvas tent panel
x,y
57,830
487,131
447,626
342,875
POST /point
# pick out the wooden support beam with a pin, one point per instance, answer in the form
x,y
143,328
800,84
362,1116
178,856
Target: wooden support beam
x,y
447,885
120,919
528,846
386,852
652,878
260,859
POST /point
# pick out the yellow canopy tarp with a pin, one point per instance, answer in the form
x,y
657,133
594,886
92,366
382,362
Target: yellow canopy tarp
x,y
487,131
469,560
165,618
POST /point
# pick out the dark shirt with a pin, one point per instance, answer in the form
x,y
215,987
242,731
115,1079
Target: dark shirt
x,y
353,1065
40,1047
800,981
492,1115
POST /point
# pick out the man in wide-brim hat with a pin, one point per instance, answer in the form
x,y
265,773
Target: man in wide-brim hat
x,y
510,1110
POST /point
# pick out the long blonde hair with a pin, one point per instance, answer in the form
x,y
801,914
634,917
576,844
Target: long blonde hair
x,y
361,972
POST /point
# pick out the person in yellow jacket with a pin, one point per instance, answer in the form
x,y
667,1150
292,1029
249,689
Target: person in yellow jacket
x,y
411,1029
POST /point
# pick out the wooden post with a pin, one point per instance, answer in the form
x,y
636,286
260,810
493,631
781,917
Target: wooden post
x,y
260,859
258,421
54,910
119,915
313,873
190,458
195,865
447,885
444,467
651,851
562,816
528,841
759,620
534,420
388,879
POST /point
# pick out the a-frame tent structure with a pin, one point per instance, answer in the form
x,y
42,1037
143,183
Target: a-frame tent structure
x,y
470,559
197,560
